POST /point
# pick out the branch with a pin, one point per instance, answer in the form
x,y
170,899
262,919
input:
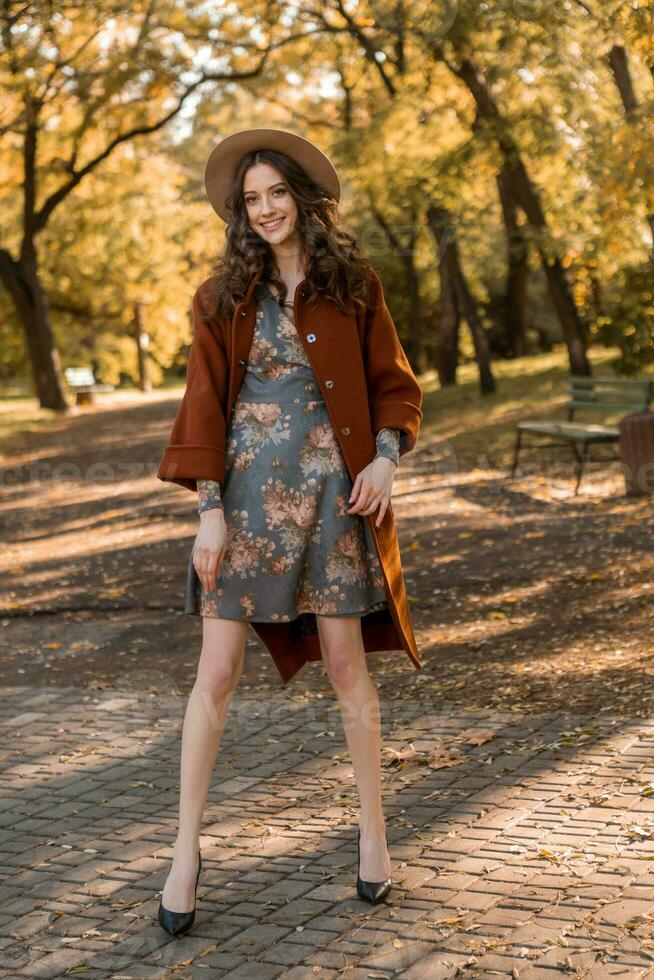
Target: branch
x,y
584,7
354,30
371,49
84,312
619,63
62,192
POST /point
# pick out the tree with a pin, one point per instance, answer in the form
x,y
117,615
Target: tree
x,y
387,38
82,81
459,298
526,195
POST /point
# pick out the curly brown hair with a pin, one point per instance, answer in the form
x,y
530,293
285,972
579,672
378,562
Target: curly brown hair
x,y
334,264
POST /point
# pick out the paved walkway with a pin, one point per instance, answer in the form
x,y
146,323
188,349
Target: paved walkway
x,y
522,845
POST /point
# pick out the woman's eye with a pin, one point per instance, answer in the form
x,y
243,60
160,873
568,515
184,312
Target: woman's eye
x,y
277,191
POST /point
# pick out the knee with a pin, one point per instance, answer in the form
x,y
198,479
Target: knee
x,y
217,680
343,666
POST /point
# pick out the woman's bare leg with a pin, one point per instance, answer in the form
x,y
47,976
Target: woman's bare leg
x,y
345,661
219,671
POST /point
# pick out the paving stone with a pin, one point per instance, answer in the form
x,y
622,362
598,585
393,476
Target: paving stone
x,y
223,962
438,965
470,899
260,971
299,912
256,938
55,963
330,959
619,913
396,956
317,937
286,954
308,973
565,960
334,893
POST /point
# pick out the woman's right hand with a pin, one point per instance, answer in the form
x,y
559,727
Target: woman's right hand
x,y
209,547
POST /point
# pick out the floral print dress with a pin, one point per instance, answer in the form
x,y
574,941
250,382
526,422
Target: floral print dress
x,y
292,549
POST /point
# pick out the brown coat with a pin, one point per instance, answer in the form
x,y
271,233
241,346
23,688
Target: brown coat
x,y
371,385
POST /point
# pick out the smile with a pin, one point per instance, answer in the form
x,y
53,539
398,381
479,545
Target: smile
x,y
269,225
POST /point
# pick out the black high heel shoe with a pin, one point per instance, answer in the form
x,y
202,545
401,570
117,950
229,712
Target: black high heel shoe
x,y
177,923
370,891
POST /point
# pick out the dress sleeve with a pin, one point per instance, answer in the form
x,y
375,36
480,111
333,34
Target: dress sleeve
x,y
395,397
209,497
387,442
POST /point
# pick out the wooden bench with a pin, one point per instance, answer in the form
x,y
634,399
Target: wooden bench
x,y
83,383
604,395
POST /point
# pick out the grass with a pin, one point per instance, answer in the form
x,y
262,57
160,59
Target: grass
x,y
476,425
479,425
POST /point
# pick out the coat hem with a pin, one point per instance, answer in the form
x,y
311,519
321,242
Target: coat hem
x,y
378,638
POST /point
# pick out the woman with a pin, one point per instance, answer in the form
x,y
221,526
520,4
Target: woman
x,y
299,402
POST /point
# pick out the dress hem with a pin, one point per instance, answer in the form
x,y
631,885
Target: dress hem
x,y
308,612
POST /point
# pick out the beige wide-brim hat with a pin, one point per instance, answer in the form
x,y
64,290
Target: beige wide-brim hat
x,y
225,157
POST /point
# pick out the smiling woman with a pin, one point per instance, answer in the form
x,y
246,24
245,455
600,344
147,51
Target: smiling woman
x,y
295,415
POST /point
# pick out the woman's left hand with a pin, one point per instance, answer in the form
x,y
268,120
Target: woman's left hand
x,y
372,488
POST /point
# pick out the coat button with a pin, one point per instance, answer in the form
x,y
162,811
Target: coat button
x,y
241,361
311,337
329,384
345,430
244,312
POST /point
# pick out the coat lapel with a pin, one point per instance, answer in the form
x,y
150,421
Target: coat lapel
x,y
240,338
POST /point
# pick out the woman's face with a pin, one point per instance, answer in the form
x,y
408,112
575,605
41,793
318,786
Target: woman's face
x,y
271,208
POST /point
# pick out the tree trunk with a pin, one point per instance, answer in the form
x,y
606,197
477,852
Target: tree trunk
x,y
622,77
447,339
442,227
417,354
573,332
142,340
447,352
22,282
527,197
619,63
406,253
597,293
515,299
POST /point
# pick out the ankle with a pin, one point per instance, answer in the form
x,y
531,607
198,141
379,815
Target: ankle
x,y
186,850
374,826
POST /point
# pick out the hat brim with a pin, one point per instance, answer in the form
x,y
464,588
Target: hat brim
x,y
225,157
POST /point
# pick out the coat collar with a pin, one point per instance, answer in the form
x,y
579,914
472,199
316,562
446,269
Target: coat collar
x,y
252,284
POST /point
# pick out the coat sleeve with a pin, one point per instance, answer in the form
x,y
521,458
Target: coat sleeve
x,y
394,395
196,445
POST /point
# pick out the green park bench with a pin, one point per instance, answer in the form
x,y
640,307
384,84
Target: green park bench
x,y
604,395
82,382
